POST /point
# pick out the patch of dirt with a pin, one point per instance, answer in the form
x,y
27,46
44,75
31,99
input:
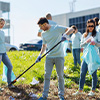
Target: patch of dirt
x,y
21,92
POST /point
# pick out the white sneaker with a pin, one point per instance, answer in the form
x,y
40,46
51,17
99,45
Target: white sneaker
x,y
91,94
77,93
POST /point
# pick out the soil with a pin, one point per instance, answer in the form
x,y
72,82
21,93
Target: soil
x,y
21,92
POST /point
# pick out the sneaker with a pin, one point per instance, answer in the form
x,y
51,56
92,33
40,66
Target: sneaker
x,y
41,98
91,94
62,98
77,93
11,86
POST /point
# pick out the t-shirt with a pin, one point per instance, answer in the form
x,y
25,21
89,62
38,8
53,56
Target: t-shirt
x,y
2,42
52,22
76,38
51,37
96,39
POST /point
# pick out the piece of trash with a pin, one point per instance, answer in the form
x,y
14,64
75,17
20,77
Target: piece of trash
x,y
11,98
18,94
65,68
21,79
34,81
33,96
1,89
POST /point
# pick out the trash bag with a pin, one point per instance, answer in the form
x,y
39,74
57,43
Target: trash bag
x,y
92,58
65,45
4,78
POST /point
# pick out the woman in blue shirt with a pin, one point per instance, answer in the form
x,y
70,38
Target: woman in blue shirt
x,y
76,38
3,56
90,36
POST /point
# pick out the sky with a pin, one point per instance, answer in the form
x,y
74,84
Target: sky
x,y
24,15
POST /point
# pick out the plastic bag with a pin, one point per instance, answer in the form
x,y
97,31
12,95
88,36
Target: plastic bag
x,y
4,78
65,45
91,58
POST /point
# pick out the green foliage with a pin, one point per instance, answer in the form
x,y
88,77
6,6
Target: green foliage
x,y
22,60
69,83
86,88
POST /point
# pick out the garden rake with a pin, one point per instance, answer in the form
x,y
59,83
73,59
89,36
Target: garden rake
x,y
34,63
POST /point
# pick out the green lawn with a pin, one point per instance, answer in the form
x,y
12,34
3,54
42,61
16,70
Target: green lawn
x,y
21,60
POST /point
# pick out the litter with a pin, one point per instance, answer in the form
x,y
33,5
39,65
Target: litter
x,y
34,81
33,96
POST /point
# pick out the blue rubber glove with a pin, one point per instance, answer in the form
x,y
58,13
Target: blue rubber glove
x,y
38,59
64,37
70,41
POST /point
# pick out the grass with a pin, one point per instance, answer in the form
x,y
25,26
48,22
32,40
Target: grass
x,y
21,60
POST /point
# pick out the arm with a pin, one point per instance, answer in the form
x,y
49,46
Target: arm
x,y
98,40
69,31
43,49
39,33
83,43
97,44
41,52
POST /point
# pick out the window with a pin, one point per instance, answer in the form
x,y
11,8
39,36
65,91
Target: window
x,y
80,22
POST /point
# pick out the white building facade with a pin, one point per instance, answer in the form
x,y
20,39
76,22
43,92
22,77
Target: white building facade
x,y
78,19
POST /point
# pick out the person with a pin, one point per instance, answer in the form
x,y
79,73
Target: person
x,y
49,18
76,38
86,39
51,36
3,55
96,20
98,26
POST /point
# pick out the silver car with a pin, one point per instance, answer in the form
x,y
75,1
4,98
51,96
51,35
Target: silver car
x,y
10,47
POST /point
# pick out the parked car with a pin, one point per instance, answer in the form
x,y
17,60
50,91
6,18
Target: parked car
x,y
10,47
35,45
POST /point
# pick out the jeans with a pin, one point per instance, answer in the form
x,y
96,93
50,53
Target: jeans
x,y
84,69
76,56
59,63
4,58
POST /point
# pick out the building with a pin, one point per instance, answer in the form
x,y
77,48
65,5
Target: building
x,y
4,12
77,18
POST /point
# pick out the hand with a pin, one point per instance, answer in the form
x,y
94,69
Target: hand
x,y
88,40
64,37
92,43
38,59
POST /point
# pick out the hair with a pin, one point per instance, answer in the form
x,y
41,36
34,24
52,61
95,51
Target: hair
x,y
1,19
96,19
87,30
74,27
99,22
48,16
42,20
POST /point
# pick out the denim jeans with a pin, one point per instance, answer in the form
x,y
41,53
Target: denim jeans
x,y
59,63
4,58
76,56
84,70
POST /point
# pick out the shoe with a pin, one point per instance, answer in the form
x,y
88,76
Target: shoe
x,y
41,98
91,94
77,93
11,86
62,98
